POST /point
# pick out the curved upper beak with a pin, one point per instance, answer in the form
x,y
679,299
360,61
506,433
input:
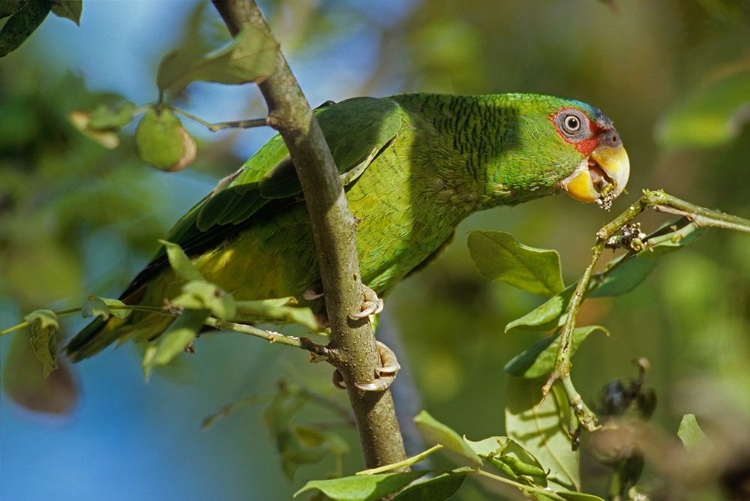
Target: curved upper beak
x,y
601,176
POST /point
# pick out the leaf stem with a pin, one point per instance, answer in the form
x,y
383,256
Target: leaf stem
x,y
406,463
524,488
661,202
71,311
215,127
270,336
15,328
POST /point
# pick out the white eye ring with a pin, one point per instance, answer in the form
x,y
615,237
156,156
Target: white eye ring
x,y
572,123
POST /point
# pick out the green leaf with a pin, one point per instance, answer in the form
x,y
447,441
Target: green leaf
x,y
27,385
362,487
69,9
487,445
112,117
298,445
100,307
438,488
120,309
547,316
542,429
578,496
95,307
692,435
162,141
539,360
511,458
22,23
539,496
528,466
44,329
627,272
293,458
708,117
180,263
281,310
309,436
403,464
500,257
285,405
209,420
439,433
178,336
80,120
202,295
250,57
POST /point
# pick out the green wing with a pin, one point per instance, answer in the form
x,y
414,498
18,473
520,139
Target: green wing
x,y
357,130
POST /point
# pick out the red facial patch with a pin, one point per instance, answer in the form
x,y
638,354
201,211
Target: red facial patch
x,y
583,146
586,146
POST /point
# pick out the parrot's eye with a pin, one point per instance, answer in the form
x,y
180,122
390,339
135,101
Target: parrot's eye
x,y
573,124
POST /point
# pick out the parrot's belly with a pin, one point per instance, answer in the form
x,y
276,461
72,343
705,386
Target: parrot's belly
x,y
277,258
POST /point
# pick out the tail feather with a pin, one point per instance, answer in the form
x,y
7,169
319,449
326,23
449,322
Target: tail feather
x,y
93,338
101,333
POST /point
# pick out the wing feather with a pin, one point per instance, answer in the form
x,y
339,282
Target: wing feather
x,y
268,182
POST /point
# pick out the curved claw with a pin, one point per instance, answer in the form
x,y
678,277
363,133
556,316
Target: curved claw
x,y
311,294
388,360
386,374
338,380
380,384
371,305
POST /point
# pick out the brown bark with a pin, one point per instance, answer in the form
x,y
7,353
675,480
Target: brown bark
x,y
352,344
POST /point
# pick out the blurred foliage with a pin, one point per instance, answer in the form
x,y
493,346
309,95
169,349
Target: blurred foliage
x,y
21,19
77,219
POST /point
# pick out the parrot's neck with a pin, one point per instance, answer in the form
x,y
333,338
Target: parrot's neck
x,y
479,162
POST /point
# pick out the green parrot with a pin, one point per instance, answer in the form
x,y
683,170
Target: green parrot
x,y
413,167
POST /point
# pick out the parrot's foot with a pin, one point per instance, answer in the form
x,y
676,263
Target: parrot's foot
x,y
386,374
371,304
311,295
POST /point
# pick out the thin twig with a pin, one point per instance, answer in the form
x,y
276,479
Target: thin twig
x,y
523,487
270,336
661,202
401,464
215,127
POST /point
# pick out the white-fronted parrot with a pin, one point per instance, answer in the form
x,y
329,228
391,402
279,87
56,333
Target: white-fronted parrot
x,y
413,166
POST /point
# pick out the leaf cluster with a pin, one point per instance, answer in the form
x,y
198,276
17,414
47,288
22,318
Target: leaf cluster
x,y
500,459
498,256
161,140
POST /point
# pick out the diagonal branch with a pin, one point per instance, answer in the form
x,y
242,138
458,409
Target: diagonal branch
x,y
660,202
352,347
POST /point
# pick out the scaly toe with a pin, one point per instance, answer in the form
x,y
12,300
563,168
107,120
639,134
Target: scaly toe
x,y
371,304
386,373
388,359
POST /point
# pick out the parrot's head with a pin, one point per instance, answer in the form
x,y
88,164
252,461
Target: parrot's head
x,y
603,170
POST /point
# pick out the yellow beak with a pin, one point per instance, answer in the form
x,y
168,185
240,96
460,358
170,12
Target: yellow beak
x,y
602,175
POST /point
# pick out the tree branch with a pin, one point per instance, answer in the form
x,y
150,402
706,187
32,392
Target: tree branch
x,y
352,346
660,202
